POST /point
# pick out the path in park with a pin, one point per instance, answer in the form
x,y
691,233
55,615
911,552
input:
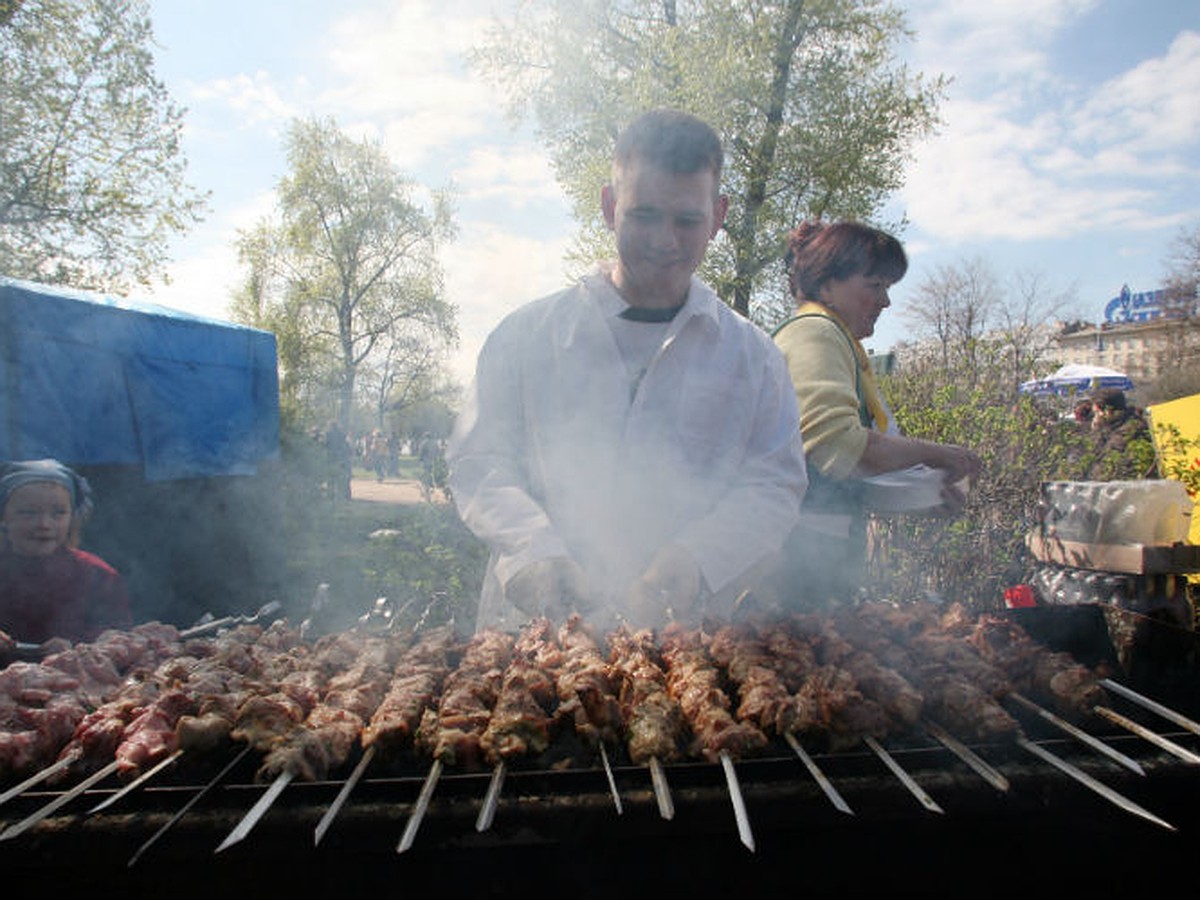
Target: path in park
x,y
390,490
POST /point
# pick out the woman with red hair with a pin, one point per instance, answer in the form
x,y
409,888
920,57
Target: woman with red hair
x,y
839,275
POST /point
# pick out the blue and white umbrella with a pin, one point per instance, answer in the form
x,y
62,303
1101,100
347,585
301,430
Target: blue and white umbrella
x,y
1075,378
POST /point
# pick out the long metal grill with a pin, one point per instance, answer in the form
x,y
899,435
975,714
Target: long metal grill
x,y
911,809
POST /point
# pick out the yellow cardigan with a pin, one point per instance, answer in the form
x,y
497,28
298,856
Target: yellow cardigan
x,y
833,381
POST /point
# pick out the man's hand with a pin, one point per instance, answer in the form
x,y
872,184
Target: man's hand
x,y
667,589
554,587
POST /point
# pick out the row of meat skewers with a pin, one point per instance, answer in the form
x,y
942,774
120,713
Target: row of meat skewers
x,y
135,701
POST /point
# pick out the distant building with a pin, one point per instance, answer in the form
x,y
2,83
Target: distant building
x,y
1142,335
882,363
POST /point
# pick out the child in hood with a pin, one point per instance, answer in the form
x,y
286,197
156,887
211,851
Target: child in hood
x,y
48,587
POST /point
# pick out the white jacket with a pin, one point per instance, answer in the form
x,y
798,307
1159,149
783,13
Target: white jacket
x,y
556,452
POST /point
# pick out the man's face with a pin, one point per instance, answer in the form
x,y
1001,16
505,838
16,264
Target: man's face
x,y
663,222
37,518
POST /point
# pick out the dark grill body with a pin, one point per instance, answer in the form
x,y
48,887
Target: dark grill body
x,y
557,832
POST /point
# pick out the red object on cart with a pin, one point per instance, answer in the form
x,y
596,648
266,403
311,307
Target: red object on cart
x,y
1019,596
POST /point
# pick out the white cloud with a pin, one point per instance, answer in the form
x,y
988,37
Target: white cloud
x,y
491,274
254,98
990,177
1153,107
206,271
405,67
518,174
1095,156
989,43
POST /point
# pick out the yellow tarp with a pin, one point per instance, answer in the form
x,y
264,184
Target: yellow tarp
x,y
1183,415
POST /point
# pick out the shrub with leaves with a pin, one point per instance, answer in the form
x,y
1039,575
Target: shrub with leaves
x,y
1023,442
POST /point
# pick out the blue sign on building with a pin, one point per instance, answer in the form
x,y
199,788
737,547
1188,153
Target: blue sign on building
x,y
1129,307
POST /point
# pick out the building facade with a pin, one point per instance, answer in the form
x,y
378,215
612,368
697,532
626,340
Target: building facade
x,y
1141,335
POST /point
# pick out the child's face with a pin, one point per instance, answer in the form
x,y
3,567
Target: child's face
x,y
37,518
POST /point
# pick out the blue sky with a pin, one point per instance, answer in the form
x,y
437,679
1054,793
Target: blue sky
x,y
1070,147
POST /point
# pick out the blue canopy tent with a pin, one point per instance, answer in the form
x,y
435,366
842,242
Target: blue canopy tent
x,y
1075,378
95,380
173,418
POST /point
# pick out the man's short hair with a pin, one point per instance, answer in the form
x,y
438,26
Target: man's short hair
x,y
671,140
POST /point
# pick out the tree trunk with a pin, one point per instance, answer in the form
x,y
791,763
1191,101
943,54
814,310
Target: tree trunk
x,y
747,265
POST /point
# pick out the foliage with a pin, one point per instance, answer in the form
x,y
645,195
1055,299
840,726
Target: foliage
x,y
418,556
91,169
428,560
1180,456
816,114
1023,443
1183,272
346,275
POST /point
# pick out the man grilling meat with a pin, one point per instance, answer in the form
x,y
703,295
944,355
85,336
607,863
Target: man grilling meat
x,y
630,445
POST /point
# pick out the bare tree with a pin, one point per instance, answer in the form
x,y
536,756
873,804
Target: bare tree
x,y
1025,321
1183,273
954,307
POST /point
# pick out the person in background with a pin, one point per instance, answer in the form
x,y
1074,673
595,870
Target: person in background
x,y
1115,426
839,275
377,454
630,445
1083,413
340,459
1111,412
48,587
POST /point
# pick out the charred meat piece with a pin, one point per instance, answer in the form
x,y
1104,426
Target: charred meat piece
x,y
452,733
586,696
655,726
414,688
331,730
1048,676
694,681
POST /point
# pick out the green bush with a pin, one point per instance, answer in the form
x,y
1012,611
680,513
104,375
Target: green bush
x,y
419,556
1023,442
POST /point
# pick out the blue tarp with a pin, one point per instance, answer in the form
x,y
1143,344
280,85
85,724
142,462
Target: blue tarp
x,y
96,380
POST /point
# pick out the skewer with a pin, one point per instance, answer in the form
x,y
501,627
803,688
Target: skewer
x,y
907,780
228,621
1165,711
339,801
29,821
991,775
739,804
38,777
1080,735
256,811
136,783
826,785
192,802
662,791
612,782
422,804
1153,737
1089,782
487,812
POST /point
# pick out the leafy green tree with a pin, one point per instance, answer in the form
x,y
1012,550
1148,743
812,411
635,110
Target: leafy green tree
x,y
91,168
346,274
816,113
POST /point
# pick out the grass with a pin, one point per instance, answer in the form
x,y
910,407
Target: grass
x,y
420,557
